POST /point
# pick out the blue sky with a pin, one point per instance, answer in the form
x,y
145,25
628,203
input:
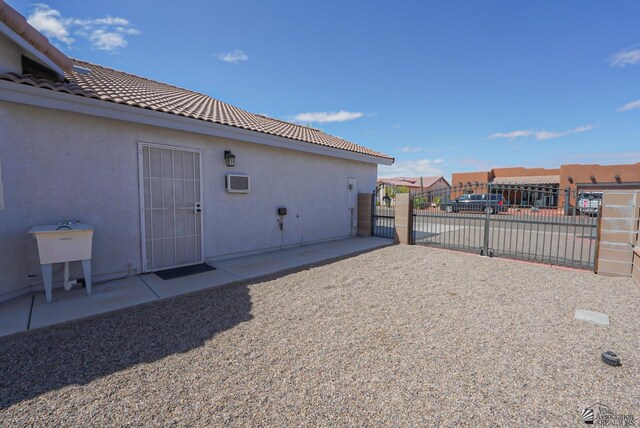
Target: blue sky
x,y
442,86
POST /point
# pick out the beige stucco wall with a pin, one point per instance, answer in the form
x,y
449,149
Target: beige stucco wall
x,y
59,165
10,60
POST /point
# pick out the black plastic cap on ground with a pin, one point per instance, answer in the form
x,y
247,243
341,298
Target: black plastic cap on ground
x,y
611,358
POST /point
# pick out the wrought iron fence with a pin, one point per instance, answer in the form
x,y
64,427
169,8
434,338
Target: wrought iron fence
x,y
541,223
383,211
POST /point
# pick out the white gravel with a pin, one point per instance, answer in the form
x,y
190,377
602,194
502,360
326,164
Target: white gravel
x,y
401,336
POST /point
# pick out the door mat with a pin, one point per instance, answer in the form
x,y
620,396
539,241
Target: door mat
x,y
184,271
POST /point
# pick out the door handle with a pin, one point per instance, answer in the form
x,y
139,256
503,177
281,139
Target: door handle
x,y
198,208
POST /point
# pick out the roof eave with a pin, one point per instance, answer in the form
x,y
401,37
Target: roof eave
x,y
24,94
15,26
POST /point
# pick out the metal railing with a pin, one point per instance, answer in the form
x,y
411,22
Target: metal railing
x,y
383,211
540,223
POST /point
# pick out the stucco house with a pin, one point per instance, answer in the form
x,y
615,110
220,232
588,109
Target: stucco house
x,y
410,184
417,184
167,177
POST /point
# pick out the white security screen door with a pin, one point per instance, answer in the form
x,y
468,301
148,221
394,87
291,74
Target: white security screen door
x,y
171,207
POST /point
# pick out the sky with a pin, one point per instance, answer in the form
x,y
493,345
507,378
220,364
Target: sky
x,y
442,86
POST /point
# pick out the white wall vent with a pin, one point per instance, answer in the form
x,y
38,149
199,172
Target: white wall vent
x,y
235,183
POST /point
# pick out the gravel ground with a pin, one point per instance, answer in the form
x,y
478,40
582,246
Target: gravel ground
x,y
401,336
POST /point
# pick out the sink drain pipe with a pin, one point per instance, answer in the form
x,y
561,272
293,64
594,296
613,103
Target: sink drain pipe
x,y
68,284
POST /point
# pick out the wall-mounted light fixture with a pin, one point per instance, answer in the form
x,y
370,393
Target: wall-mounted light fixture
x,y
618,179
593,179
229,158
570,178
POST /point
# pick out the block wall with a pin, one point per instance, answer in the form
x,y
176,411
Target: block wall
x,y
618,232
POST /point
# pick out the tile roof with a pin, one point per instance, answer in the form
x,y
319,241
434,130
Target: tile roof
x,y
412,182
123,88
14,20
531,179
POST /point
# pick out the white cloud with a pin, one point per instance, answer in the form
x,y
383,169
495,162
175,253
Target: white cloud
x,y
234,56
108,33
547,135
130,31
630,106
511,135
539,135
50,23
411,149
411,168
108,20
625,57
107,41
327,116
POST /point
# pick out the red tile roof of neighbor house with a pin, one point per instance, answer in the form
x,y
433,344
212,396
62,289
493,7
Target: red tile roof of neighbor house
x,y
123,88
412,182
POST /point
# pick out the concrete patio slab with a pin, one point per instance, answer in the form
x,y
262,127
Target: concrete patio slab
x,y
592,317
269,263
75,304
32,311
14,315
187,284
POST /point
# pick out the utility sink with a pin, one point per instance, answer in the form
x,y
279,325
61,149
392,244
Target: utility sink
x,y
64,242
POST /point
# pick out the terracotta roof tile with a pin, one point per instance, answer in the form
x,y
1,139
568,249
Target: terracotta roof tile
x,y
65,87
412,182
123,88
19,24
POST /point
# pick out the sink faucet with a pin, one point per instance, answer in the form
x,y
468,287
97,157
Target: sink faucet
x,y
68,222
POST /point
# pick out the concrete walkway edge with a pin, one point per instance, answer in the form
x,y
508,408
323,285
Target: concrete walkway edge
x,y
31,312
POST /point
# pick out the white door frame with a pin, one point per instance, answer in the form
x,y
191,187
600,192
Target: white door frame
x,y
143,242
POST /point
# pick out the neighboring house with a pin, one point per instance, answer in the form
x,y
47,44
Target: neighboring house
x,y
576,177
411,184
145,163
417,184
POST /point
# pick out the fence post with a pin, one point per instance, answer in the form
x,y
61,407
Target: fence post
x,y
596,256
567,199
403,219
365,214
374,197
487,222
618,233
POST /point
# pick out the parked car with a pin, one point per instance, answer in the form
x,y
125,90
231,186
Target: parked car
x,y
489,203
588,203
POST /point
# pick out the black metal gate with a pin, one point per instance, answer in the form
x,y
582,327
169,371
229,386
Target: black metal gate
x,y
535,222
383,211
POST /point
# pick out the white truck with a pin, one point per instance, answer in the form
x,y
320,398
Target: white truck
x,y
588,203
